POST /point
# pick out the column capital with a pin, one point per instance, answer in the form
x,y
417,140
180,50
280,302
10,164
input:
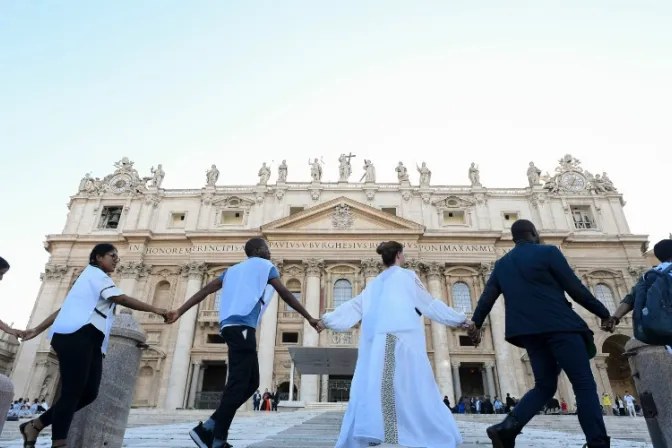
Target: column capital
x,y
456,364
313,266
279,263
198,363
193,269
133,269
434,270
414,264
486,269
54,271
489,365
371,267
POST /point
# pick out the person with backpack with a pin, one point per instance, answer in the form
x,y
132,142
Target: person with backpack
x,y
650,300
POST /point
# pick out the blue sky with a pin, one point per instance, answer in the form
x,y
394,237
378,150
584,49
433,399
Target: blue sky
x,y
188,84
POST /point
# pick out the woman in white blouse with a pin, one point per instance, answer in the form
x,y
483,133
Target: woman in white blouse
x,y
79,336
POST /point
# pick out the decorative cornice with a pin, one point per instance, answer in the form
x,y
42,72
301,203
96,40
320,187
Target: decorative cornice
x,y
313,267
637,271
434,270
193,269
54,271
371,267
132,269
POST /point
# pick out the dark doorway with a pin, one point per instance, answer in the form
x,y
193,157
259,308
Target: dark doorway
x,y
214,380
283,391
339,388
471,380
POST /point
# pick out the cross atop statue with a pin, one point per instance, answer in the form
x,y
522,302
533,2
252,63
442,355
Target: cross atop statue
x,y
344,167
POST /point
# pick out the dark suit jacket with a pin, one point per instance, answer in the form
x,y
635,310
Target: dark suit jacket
x,y
533,279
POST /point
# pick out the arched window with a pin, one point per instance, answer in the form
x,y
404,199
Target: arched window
x,y
342,292
462,297
294,287
604,294
162,295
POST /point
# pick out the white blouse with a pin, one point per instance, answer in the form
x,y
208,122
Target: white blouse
x,y
91,292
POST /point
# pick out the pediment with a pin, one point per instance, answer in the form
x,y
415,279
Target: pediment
x,y
343,215
453,202
233,202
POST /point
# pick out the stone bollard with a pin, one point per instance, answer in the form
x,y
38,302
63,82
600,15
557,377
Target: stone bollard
x,y
103,423
6,397
651,367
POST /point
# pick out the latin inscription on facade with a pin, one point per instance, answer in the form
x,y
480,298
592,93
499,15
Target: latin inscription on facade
x,y
312,245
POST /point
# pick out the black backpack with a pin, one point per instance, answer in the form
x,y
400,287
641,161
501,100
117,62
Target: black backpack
x,y
652,313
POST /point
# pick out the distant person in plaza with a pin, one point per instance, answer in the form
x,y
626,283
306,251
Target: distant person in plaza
x,y
247,289
79,336
394,398
4,267
534,278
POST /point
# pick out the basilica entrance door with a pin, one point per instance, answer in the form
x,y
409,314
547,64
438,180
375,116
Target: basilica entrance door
x,y
618,369
214,380
339,388
471,380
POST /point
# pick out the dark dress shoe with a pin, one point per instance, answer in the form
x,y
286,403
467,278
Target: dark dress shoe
x,y
503,435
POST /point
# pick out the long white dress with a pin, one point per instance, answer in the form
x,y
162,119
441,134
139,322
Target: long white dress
x,y
394,398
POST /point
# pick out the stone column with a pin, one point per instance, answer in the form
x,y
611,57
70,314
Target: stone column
x,y
652,366
267,334
444,377
195,373
313,267
603,376
324,389
179,368
291,382
505,355
490,378
456,382
25,358
104,422
6,397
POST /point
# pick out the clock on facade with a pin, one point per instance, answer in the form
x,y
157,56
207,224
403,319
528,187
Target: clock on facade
x,y
573,181
120,183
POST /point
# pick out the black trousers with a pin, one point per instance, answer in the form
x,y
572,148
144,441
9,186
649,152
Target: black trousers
x,y
243,376
549,354
80,364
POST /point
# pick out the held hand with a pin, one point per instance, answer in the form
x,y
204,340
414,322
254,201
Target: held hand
x,y
321,325
315,323
609,324
172,316
29,334
21,334
466,324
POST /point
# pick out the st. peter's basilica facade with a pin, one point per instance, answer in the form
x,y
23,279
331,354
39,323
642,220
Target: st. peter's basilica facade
x,y
323,237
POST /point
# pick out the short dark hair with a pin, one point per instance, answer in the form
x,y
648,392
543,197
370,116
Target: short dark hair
x,y
253,245
388,250
3,263
663,250
521,228
100,249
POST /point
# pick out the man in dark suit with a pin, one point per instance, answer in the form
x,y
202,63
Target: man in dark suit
x,y
533,279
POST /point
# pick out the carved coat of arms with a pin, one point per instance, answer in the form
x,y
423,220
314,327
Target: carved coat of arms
x,y
342,217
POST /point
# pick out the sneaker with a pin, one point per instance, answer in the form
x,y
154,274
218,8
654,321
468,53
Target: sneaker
x,y
201,436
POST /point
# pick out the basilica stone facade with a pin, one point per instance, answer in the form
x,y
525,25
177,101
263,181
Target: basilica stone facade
x,y
323,237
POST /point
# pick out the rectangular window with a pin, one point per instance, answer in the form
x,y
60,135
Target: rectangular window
x,y
232,217
390,210
465,341
177,220
290,338
453,218
215,339
509,219
110,217
583,218
297,294
295,210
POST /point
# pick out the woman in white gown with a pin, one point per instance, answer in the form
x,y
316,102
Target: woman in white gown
x,y
394,398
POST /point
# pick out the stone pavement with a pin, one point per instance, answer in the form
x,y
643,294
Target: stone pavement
x,y
319,429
